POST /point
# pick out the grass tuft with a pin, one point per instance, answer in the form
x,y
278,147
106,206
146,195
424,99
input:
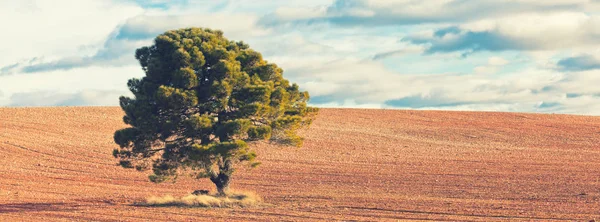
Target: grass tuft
x,y
232,199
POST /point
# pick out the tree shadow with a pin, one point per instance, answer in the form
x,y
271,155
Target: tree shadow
x,y
37,207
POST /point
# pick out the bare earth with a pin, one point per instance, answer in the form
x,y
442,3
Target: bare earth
x,y
363,165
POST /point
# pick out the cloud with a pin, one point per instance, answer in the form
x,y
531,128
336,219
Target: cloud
x,y
8,69
56,29
411,12
360,83
524,32
290,45
339,80
579,63
118,49
492,66
69,81
408,50
235,26
57,98
114,53
346,53
497,61
159,4
468,41
577,83
435,99
369,82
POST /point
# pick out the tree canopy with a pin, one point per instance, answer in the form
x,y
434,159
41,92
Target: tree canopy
x,y
202,101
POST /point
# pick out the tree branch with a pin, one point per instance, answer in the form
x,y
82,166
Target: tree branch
x,y
156,150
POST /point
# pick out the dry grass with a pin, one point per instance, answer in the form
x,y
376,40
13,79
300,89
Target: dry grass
x,y
232,199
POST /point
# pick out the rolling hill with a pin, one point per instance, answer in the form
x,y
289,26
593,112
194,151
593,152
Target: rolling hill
x,y
356,164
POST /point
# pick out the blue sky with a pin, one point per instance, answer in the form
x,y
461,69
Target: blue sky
x,y
488,55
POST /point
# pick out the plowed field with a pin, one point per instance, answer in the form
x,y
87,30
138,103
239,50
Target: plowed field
x,y
56,164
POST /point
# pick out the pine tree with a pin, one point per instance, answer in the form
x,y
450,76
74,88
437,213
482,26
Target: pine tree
x,y
203,100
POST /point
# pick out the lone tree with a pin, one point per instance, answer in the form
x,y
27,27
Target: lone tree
x,y
203,100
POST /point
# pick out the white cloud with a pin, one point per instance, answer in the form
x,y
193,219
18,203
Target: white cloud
x,y
407,50
522,32
394,12
235,26
544,30
584,83
56,98
298,13
291,45
584,105
497,61
352,83
485,69
351,103
493,65
57,28
134,32
69,82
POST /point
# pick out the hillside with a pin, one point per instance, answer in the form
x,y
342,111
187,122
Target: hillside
x,y
356,164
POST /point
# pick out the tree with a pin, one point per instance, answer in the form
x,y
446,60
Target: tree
x,y
203,100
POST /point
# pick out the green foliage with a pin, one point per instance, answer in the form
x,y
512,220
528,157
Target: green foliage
x,y
202,100
125,164
255,164
185,78
156,179
259,132
125,137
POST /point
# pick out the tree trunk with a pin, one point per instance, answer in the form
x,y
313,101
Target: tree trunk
x,y
222,179
222,183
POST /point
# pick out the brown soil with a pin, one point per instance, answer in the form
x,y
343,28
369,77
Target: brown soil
x,y
364,165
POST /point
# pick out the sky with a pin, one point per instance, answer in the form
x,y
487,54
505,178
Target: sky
x,y
482,55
